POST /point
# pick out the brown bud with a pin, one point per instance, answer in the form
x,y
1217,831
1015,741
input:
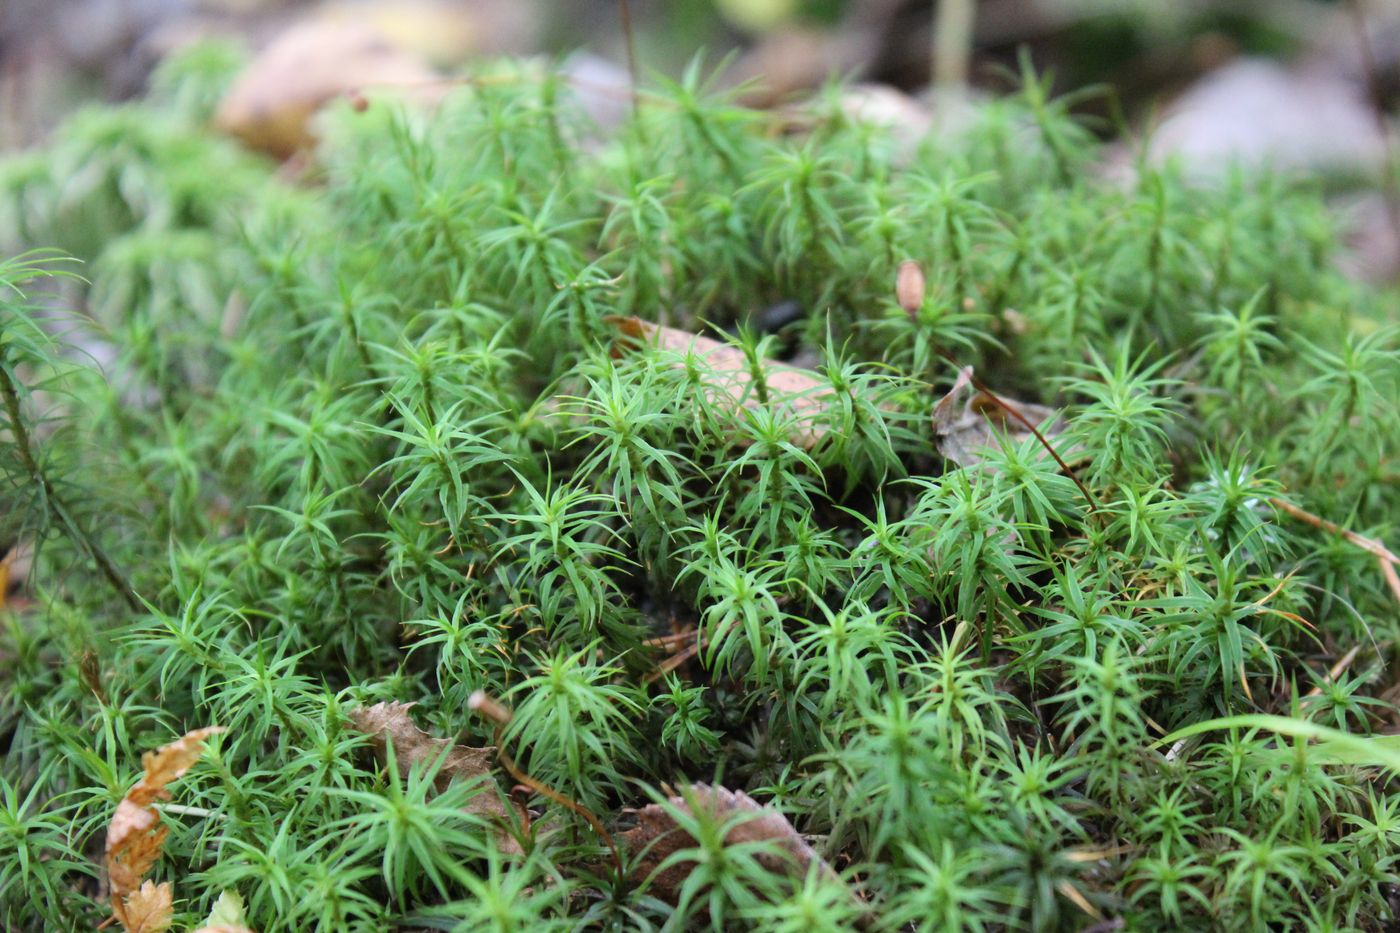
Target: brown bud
x,y
358,102
909,287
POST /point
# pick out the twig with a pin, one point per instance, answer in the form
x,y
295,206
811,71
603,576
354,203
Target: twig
x,y
676,660
1366,544
624,13
662,641
481,703
953,25
65,517
1392,580
1357,15
1384,557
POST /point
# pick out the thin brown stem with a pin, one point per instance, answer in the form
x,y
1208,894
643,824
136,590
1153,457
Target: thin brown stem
x,y
1026,423
954,21
481,703
1384,557
1357,15
624,13
24,447
1366,544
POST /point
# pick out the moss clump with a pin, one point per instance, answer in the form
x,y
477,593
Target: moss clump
x,y
367,441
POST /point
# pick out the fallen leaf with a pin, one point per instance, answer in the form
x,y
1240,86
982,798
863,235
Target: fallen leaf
x,y
149,909
271,102
656,837
729,384
135,836
962,433
390,721
226,915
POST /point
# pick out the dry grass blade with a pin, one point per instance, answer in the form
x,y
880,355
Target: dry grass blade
x,y
657,837
390,722
135,837
729,382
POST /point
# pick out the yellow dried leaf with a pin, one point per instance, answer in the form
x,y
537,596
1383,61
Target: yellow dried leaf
x,y
385,722
149,909
656,837
798,392
135,836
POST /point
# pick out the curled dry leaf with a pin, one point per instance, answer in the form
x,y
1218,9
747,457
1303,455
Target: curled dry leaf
x,y
729,383
135,836
962,432
656,837
385,722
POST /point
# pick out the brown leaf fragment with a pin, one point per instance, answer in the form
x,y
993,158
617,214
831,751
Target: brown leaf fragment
x,y
150,909
135,836
964,432
657,837
390,721
729,385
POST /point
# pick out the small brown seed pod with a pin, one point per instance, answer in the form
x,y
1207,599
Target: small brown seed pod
x,y
909,287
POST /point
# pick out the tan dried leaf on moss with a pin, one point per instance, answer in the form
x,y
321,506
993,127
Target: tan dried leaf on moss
x,y
385,722
657,837
967,421
801,393
149,909
135,837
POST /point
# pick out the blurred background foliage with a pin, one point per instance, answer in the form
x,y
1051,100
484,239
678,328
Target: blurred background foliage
x,y
1289,83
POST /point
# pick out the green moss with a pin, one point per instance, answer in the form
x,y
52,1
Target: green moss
x,y
366,440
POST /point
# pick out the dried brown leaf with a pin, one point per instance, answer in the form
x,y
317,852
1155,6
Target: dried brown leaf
x,y
149,909
964,432
729,384
385,722
272,101
657,837
135,836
